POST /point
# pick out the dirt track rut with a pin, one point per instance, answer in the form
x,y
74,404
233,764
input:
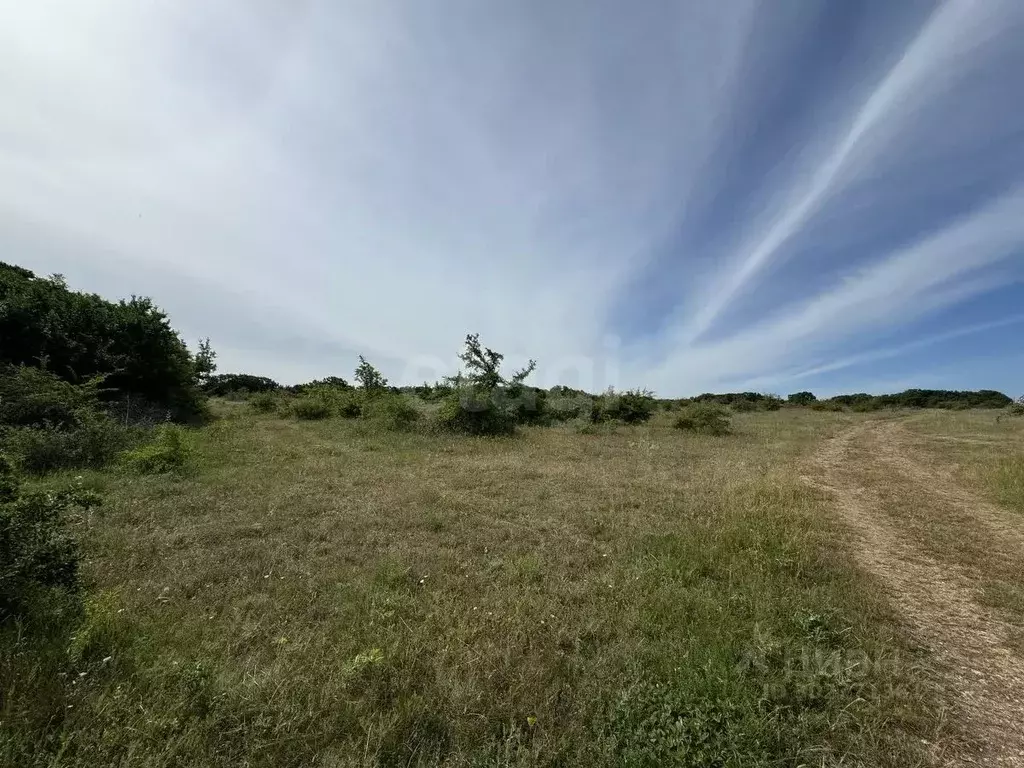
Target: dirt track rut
x,y
939,599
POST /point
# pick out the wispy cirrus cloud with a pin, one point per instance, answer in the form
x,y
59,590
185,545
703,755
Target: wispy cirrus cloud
x,y
684,196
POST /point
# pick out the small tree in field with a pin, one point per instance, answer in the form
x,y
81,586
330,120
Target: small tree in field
x,y
483,401
484,367
369,378
204,362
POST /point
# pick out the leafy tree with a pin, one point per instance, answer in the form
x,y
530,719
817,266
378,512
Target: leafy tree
x,y
330,382
369,378
79,336
227,383
205,362
484,367
483,401
801,398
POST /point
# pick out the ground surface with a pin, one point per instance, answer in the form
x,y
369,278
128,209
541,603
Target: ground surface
x,y
816,589
941,551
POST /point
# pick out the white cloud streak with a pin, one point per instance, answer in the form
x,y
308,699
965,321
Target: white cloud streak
x,y
955,31
385,179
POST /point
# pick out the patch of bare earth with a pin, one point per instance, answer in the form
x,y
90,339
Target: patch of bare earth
x,y
867,470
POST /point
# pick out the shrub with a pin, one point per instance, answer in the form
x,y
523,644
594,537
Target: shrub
x,y
264,402
635,406
48,424
392,412
475,413
705,419
744,406
169,452
530,404
32,397
1017,409
131,342
323,402
36,552
349,405
482,400
309,408
771,403
95,442
560,408
802,398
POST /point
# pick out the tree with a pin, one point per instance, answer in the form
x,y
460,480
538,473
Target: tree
x,y
369,378
802,398
205,362
78,336
226,383
483,401
484,366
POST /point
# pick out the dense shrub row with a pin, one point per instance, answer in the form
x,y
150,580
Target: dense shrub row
x,y
926,398
911,398
78,337
479,400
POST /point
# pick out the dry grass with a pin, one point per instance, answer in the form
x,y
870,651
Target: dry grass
x,y
321,594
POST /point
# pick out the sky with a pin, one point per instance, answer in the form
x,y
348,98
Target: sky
x,y
689,196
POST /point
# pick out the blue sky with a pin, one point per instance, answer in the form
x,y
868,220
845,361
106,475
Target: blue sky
x,y
686,196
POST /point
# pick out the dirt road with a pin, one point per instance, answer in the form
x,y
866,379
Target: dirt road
x,y
932,544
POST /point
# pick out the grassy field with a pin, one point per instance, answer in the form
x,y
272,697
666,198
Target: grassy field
x,y
318,593
986,450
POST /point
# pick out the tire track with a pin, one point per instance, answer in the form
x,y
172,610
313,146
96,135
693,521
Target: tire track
x,y
938,600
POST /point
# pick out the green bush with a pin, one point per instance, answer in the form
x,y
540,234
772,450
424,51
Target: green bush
x,y
32,397
635,406
771,403
265,402
95,442
705,419
393,412
225,384
349,405
169,452
309,408
79,336
530,405
48,424
36,552
472,412
482,400
561,408
322,402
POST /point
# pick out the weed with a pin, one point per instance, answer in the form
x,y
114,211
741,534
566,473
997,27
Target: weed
x,y
169,452
705,419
